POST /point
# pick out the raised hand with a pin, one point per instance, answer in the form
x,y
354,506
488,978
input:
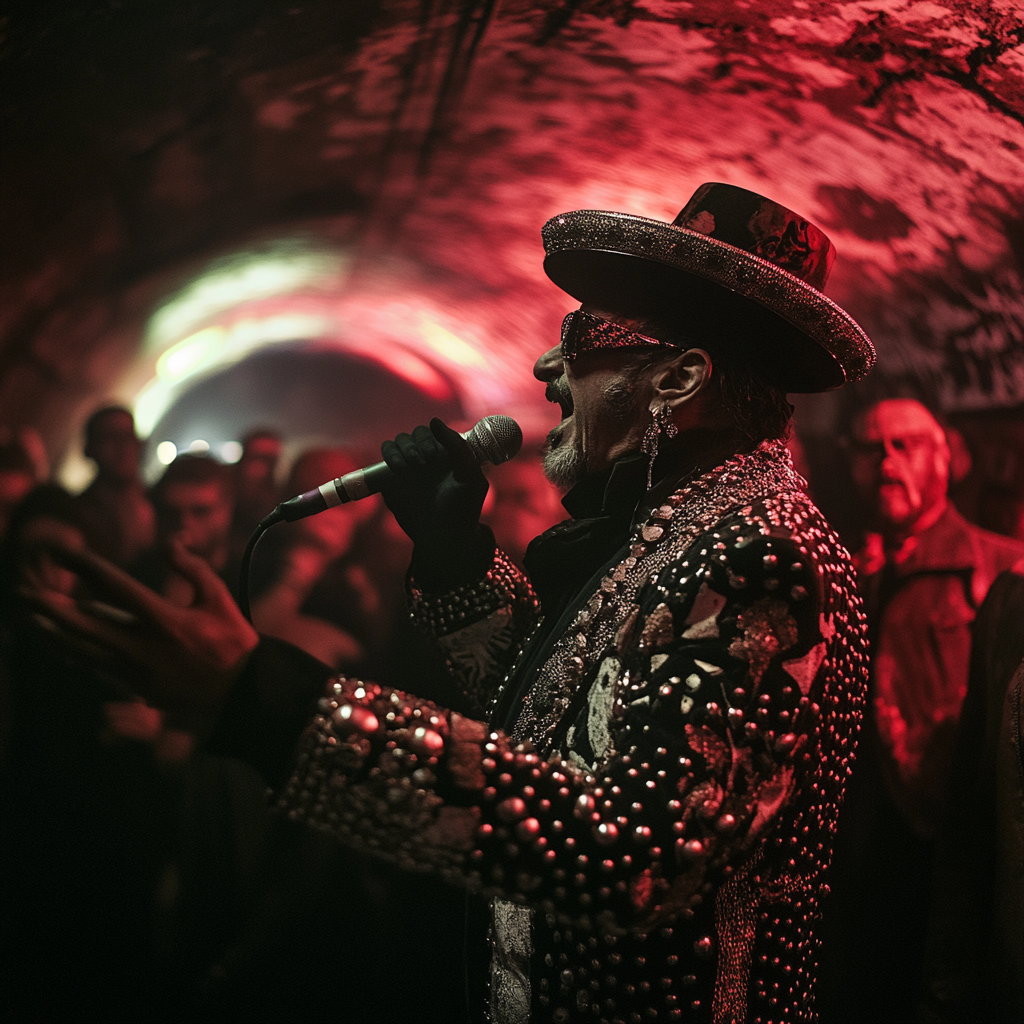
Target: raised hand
x,y
183,660
436,494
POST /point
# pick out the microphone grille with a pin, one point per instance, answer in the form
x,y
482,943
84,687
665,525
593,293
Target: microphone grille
x,y
495,439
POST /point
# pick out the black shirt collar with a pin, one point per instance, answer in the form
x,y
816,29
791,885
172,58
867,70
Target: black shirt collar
x,y
615,493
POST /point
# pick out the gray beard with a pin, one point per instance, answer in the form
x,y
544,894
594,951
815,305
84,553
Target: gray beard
x,y
563,466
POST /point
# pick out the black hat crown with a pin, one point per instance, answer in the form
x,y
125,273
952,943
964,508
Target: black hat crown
x,y
734,265
761,227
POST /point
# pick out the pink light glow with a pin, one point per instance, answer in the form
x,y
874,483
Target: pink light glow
x,y
856,115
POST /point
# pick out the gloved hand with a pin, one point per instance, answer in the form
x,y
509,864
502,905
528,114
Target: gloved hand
x,y
436,494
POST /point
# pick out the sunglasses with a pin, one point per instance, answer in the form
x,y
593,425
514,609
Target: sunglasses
x,y
584,332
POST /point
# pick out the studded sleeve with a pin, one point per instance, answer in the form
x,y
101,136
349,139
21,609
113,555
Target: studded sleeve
x,y
724,693
480,628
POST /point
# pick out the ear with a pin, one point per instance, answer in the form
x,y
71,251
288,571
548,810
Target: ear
x,y
681,380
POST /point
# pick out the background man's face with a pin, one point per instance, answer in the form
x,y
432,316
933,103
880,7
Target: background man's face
x,y
196,514
900,462
114,447
259,461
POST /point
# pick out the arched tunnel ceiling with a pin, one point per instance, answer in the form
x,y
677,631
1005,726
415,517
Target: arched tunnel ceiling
x,y
424,142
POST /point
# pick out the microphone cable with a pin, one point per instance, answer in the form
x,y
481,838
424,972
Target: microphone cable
x,y
495,439
243,572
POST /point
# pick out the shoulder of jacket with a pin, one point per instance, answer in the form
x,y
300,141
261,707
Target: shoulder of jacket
x,y
789,521
757,552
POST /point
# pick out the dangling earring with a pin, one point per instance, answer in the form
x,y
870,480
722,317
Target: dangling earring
x,y
661,423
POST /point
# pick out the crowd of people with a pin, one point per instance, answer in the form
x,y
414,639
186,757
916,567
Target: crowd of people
x,y
144,866
145,876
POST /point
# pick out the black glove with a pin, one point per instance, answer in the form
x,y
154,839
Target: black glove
x,y
436,493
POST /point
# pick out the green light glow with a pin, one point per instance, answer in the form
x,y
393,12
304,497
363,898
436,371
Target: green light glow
x,y
284,267
150,405
212,349
449,346
189,355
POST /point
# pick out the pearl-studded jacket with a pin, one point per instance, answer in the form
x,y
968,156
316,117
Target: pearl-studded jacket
x,y
654,831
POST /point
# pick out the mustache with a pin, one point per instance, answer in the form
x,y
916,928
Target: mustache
x,y
557,391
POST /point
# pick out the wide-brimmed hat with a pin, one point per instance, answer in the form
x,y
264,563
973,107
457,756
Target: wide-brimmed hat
x,y
734,264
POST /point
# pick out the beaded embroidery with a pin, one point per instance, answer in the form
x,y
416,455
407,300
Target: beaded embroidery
x,y
440,614
480,626
669,529
674,869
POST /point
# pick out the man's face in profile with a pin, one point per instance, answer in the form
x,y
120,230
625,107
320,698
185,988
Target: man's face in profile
x,y
901,463
604,404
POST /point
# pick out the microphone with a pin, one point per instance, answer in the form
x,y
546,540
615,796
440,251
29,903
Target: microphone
x,y
494,439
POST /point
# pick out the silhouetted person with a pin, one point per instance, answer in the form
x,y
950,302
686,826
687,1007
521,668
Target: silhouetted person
x,y
974,967
114,510
923,572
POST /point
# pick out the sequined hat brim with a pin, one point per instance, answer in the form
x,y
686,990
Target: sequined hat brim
x,y
808,342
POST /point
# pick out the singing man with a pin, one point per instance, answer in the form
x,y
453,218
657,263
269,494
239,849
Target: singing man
x,y
665,709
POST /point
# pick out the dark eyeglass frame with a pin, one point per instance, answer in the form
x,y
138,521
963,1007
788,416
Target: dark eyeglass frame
x,y
583,332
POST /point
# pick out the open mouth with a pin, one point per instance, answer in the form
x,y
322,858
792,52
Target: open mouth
x,y
558,393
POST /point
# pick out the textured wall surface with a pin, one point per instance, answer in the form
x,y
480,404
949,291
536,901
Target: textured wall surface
x,y
418,145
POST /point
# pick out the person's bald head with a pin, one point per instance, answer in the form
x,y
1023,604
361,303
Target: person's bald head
x,y
901,464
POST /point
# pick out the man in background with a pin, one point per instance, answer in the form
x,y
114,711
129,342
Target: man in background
x,y
923,573
194,502
256,491
114,510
